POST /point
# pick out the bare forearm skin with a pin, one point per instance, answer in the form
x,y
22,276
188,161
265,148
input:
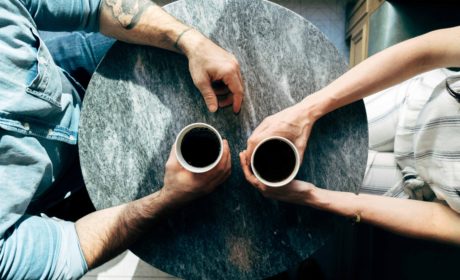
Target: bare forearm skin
x,y
143,22
419,219
106,233
396,64
427,220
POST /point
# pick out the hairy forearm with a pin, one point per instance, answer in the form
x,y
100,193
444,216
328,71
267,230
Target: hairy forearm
x,y
106,233
419,219
387,68
145,23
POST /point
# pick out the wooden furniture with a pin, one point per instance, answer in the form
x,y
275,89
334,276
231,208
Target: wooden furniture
x,y
358,29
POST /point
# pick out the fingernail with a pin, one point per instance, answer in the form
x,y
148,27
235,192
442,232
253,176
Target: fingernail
x,y
212,108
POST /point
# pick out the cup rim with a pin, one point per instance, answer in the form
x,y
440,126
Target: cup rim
x,y
294,172
180,158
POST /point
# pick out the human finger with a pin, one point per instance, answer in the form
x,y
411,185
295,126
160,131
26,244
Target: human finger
x,y
226,101
251,145
224,166
247,172
171,157
204,86
234,84
225,155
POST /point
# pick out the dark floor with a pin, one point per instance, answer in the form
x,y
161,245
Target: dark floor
x,y
365,252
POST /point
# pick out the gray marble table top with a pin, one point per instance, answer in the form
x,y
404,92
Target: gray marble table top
x,y
141,97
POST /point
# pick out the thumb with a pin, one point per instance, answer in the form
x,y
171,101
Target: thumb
x,y
301,147
209,96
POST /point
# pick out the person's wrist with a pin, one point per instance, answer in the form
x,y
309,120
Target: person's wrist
x,y
174,195
170,197
303,117
314,106
346,204
311,195
166,196
179,37
190,41
153,205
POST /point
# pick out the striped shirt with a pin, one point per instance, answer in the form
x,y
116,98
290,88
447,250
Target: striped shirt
x,y
426,123
427,137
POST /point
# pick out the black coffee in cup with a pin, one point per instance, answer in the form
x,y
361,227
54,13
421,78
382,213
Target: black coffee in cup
x,y
274,160
200,147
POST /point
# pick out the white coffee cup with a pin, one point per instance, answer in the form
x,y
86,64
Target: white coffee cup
x,y
292,172
180,153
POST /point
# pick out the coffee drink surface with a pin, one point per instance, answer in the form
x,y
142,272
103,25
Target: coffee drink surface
x,y
200,147
274,160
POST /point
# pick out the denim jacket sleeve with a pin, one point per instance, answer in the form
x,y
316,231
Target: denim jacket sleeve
x,y
33,247
41,248
64,15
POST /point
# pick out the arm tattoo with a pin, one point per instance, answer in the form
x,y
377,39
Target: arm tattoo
x,y
128,12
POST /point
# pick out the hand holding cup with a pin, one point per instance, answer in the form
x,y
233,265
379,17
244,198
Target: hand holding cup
x,y
275,161
183,181
290,125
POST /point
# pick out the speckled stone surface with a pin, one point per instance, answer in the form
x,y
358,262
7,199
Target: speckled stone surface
x,y
141,97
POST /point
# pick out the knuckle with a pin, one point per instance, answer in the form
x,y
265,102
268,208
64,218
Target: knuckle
x,y
232,67
267,119
201,83
235,64
169,164
208,98
229,69
252,141
234,59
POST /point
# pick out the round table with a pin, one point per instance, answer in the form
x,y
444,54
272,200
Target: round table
x,y
141,97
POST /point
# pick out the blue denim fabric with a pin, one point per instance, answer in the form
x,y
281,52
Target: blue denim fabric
x,y
38,98
78,53
41,248
39,115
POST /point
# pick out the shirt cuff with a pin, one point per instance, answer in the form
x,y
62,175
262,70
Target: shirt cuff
x,y
41,248
71,261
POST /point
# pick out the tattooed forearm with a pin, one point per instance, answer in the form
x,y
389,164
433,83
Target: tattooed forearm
x,y
128,12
